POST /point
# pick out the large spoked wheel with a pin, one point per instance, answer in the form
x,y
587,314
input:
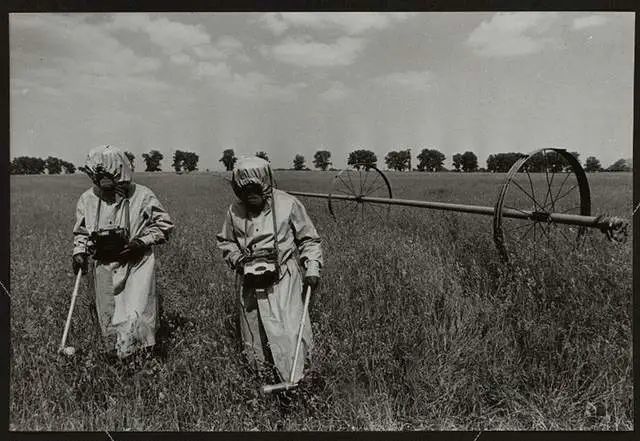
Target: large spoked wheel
x,y
351,185
543,182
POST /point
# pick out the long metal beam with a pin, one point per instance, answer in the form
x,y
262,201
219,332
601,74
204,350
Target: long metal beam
x,y
559,218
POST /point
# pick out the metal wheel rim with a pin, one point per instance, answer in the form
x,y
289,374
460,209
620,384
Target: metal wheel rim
x,y
343,185
581,185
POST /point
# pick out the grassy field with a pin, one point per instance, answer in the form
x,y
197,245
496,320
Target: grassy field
x,y
418,325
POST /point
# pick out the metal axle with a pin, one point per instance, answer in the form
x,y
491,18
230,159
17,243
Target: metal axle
x,y
539,216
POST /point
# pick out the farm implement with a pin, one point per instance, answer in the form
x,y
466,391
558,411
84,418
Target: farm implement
x,y
545,196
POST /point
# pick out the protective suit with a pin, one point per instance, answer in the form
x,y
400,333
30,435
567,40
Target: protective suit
x,y
126,302
270,319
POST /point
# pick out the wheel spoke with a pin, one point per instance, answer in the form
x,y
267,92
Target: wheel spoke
x,y
343,192
562,186
352,184
377,211
372,182
533,225
568,191
364,184
353,191
509,230
559,230
546,174
533,193
553,202
546,232
379,187
523,190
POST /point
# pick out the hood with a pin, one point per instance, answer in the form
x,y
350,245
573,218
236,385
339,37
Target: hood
x,y
252,170
110,160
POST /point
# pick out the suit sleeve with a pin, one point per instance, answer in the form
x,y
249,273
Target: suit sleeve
x,y
80,232
228,243
306,238
159,225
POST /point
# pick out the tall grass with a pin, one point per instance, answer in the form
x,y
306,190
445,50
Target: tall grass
x,y
418,324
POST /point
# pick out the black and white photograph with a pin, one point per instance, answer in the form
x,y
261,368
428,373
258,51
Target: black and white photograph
x,y
321,221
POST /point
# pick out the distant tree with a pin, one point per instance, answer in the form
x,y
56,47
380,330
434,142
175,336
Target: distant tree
x,y
152,160
190,161
457,161
228,159
502,162
131,157
366,157
185,160
398,160
69,168
430,160
592,164
298,162
620,165
469,162
262,155
53,165
178,157
322,159
26,165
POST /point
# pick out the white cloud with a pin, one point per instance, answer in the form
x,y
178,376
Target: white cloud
x,y
412,80
181,59
305,52
351,23
178,38
336,92
229,44
252,85
207,69
588,21
170,35
64,52
513,33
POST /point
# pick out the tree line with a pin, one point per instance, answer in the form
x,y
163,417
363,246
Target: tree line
x,y
429,160
432,160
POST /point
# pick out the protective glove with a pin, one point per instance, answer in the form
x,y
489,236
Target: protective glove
x,y
312,274
134,249
80,262
312,281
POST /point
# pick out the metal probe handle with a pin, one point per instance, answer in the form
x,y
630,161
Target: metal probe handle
x,y
304,317
73,302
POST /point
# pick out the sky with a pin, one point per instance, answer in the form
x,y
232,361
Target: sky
x,y
295,83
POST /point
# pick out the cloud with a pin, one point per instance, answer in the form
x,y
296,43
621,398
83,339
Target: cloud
x,y
181,59
351,23
65,52
305,52
178,38
512,34
207,69
170,35
252,85
417,81
588,21
336,92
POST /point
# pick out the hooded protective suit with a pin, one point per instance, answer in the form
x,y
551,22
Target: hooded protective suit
x,y
279,308
126,302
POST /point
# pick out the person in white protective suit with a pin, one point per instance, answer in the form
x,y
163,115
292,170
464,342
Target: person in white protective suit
x,y
117,224
271,306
